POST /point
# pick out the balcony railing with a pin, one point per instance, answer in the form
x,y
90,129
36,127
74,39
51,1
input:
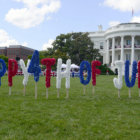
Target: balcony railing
x,y
117,47
137,46
127,46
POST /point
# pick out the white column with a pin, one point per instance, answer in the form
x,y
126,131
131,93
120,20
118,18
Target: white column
x,y
122,48
113,51
107,52
132,50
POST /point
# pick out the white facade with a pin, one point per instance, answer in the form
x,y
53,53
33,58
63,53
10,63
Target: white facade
x,y
121,42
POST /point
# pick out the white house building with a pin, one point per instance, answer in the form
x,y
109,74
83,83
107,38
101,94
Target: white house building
x,y
120,42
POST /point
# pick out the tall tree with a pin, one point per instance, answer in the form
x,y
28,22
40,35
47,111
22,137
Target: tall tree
x,y
77,46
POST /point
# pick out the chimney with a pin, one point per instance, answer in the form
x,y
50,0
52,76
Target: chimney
x,y
100,28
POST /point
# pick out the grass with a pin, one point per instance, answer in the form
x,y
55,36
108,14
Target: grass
x,y
81,117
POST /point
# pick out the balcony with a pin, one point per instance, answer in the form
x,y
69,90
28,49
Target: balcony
x,y
127,46
117,47
137,46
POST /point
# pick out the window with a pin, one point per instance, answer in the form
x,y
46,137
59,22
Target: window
x,y
119,43
128,42
101,45
118,57
138,42
110,59
110,44
128,56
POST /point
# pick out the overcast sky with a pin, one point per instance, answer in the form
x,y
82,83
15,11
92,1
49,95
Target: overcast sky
x,y
36,23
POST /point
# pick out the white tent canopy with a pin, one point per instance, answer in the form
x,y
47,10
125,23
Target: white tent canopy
x,y
63,66
73,66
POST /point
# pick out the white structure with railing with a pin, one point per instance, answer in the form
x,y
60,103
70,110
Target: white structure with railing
x,y
120,42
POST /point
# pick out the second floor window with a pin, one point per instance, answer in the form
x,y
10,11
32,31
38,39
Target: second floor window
x,y
128,42
119,43
110,44
138,42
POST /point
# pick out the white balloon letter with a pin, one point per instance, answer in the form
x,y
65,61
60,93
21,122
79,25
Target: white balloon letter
x,y
61,75
118,81
25,71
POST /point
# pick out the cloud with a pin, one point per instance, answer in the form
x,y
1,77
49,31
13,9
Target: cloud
x,y
135,19
113,23
24,44
49,18
48,44
33,13
123,5
6,40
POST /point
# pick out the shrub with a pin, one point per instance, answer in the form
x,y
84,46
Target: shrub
x,y
104,68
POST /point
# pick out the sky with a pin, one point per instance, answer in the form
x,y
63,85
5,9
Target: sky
x,y
36,23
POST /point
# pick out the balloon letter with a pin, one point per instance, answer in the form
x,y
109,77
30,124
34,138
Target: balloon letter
x,y
12,70
24,70
118,81
2,69
95,71
134,71
139,77
34,66
61,75
139,74
48,62
85,66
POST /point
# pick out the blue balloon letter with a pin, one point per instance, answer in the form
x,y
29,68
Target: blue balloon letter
x,y
134,71
34,66
85,65
2,69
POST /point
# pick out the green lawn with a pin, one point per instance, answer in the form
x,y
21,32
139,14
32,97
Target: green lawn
x,y
81,117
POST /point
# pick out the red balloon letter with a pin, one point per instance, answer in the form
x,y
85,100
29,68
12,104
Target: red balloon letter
x,y
48,62
12,70
139,74
95,71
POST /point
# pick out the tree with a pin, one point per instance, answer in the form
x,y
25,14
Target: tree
x,y
53,54
5,59
104,68
77,46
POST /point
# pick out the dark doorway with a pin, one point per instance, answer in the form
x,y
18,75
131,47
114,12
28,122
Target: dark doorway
x,y
116,71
